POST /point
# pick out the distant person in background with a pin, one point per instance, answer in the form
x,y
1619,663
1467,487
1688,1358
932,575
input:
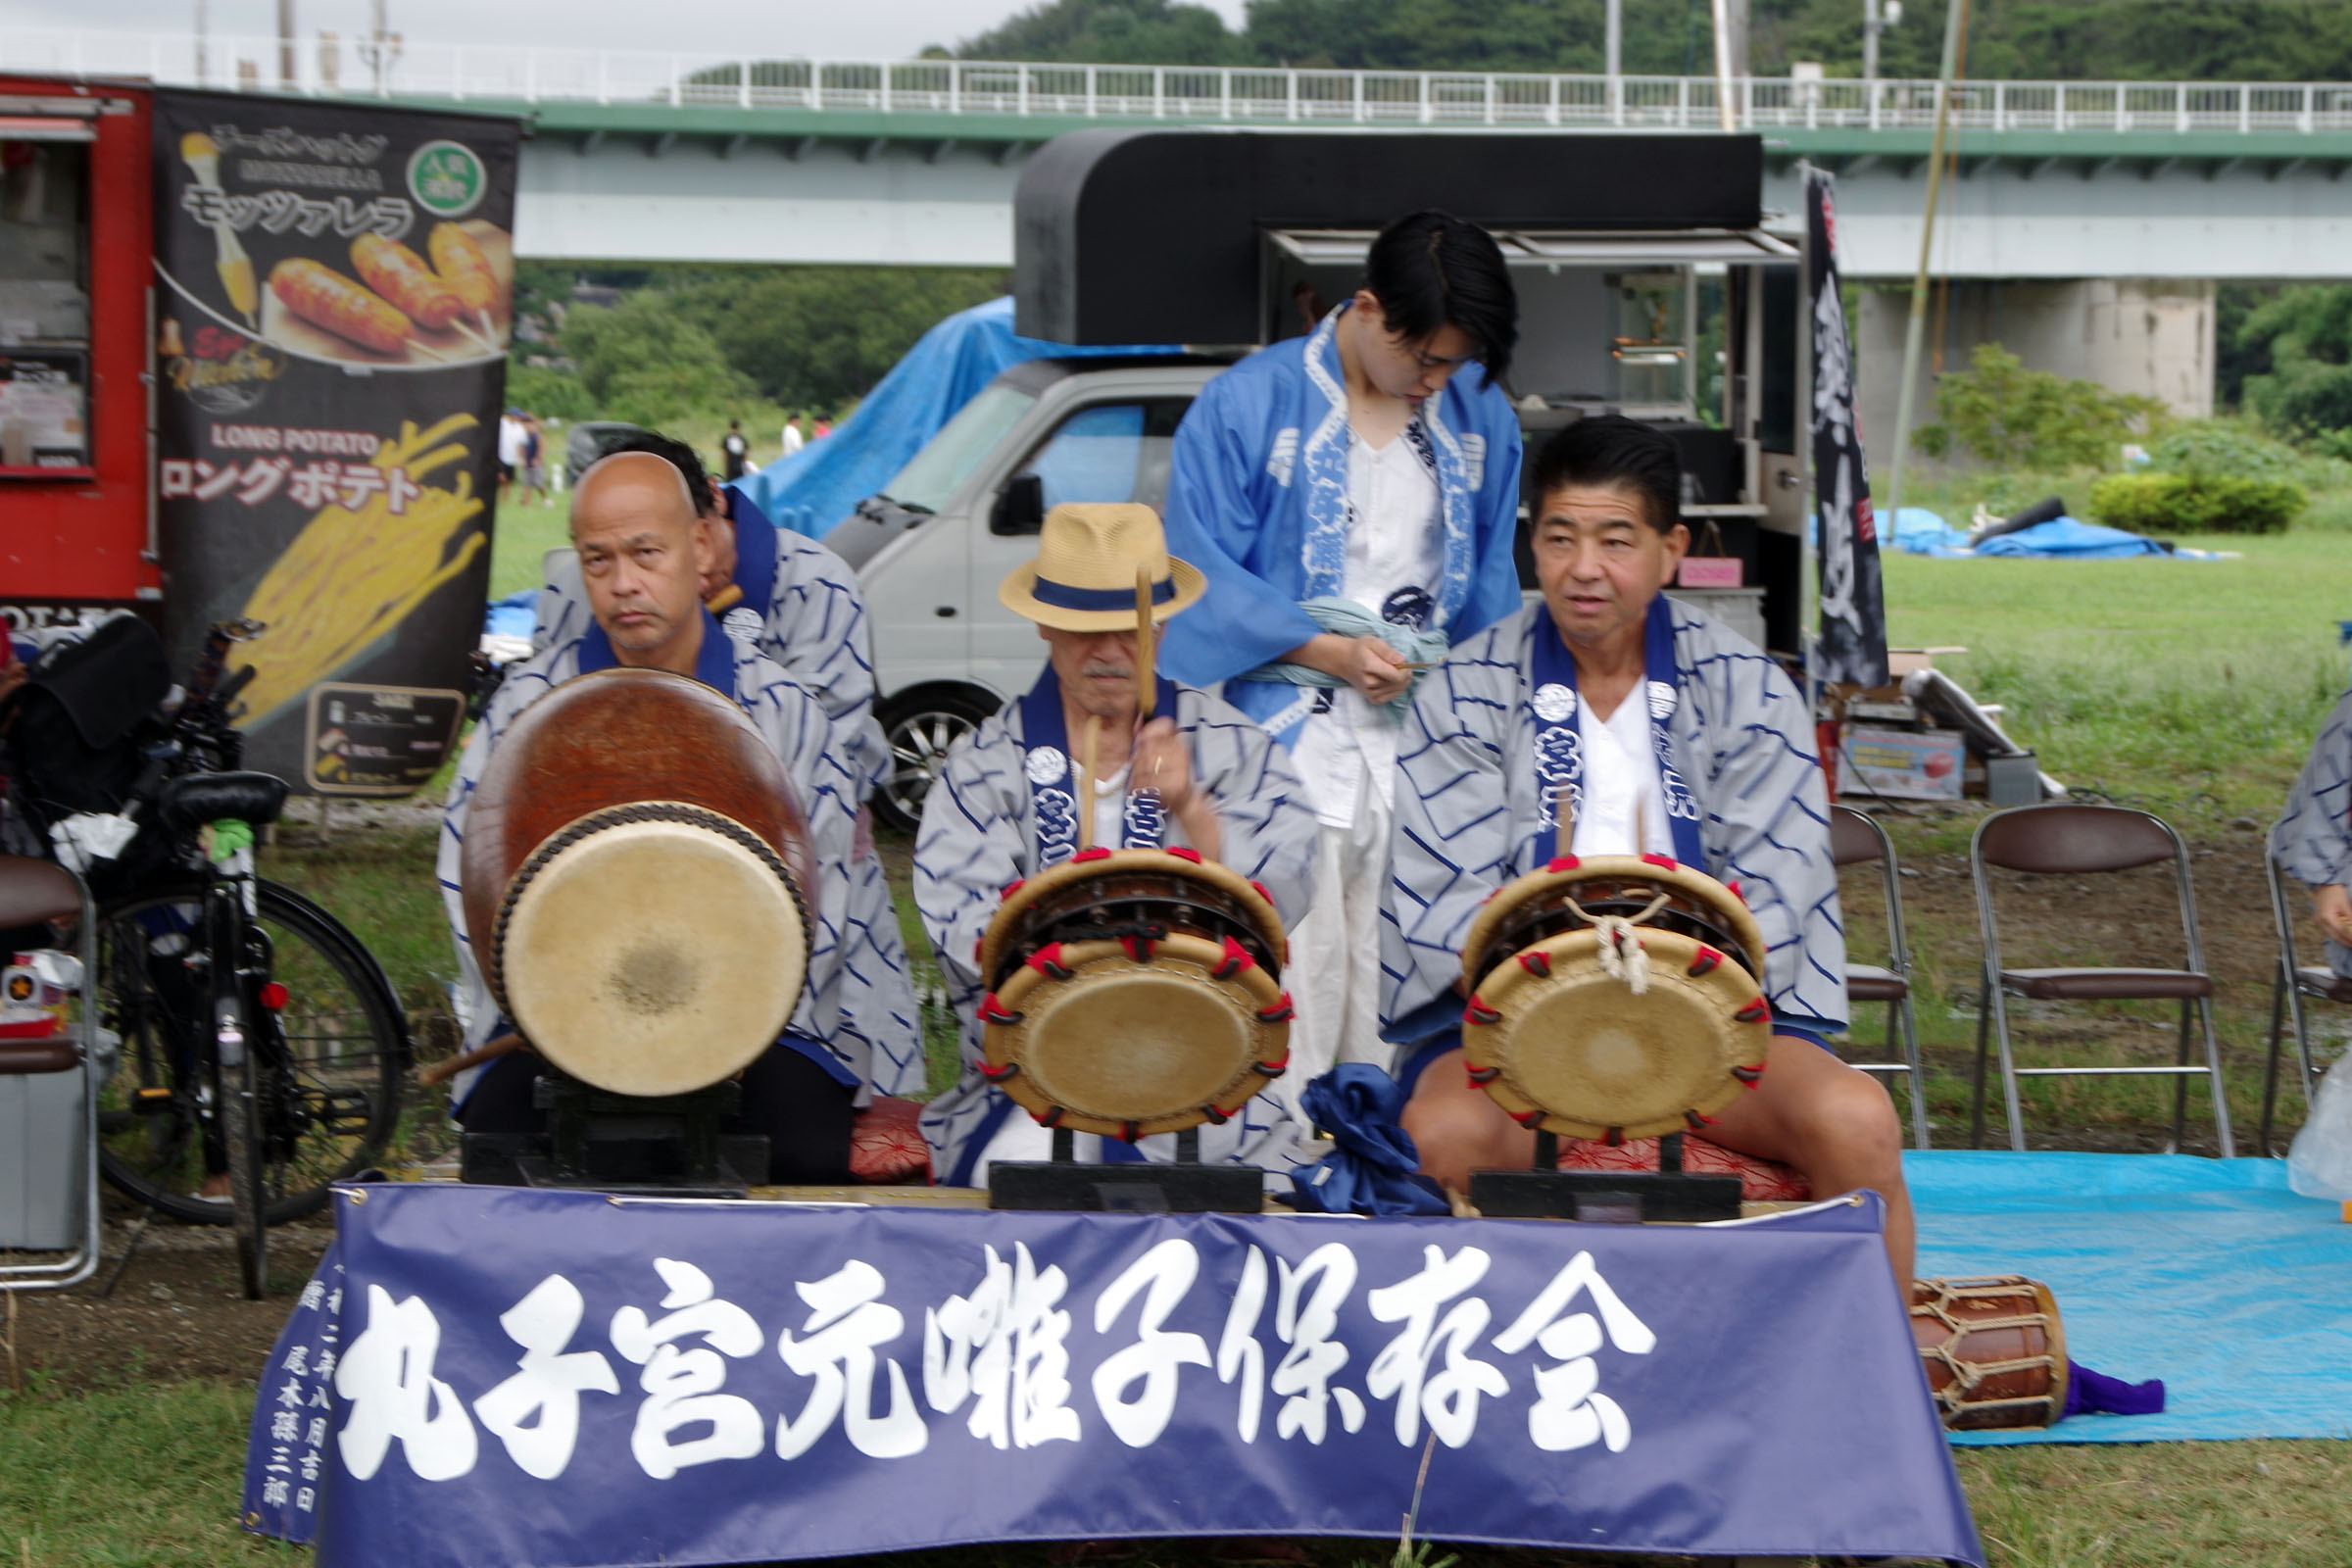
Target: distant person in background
x,y
735,452
1352,496
793,439
510,451
2313,840
824,429
533,479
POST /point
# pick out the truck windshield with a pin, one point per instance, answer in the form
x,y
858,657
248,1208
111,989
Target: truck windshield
x,y
932,476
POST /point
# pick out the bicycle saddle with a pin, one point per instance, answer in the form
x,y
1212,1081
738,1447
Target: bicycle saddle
x,y
195,798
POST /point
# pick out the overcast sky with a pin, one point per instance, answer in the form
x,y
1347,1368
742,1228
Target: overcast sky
x,y
869,29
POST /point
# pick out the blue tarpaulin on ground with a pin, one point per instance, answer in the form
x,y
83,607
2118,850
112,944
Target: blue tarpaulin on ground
x,y
1918,532
816,487
2209,1274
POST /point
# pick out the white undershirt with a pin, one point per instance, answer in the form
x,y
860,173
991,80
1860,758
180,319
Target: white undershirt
x,y
1110,808
1621,767
1396,542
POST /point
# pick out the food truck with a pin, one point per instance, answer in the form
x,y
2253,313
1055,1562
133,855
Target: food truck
x,y
252,350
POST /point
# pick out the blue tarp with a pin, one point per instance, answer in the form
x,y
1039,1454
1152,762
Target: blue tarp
x,y
512,616
2209,1274
816,487
1918,532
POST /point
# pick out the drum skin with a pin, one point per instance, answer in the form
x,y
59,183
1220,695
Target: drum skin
x,y
1564,1045
1134,992
635,849
1994,1349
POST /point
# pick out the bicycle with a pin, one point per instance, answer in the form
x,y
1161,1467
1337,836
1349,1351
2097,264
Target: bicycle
x,y
260,1041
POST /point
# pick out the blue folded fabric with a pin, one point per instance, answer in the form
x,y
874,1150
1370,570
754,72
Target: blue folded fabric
x,y
2089,1392
1375,1169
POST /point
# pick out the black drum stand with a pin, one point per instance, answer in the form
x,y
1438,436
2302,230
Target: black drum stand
x,y
1185,1186
1605,1197
669,1147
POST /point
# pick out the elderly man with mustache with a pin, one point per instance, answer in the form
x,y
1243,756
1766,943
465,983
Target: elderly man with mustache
x,y
1007,801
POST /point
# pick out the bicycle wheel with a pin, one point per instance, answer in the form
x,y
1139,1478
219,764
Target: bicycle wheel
x,y
242,1133
328,1074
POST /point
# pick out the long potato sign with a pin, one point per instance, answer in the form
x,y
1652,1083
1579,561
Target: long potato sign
x,y
334,303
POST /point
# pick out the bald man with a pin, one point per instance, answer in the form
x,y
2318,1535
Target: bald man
x,y
643,552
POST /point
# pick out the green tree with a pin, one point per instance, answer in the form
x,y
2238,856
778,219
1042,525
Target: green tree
x,y
817,337
1142,33
2297,357
2012,418
647,361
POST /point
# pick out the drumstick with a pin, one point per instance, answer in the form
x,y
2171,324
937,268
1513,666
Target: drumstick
x,y
434,1073
1085,784
724,599
1147,689
1563,810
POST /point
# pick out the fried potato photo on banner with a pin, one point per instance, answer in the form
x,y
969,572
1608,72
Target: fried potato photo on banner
x,y
354,573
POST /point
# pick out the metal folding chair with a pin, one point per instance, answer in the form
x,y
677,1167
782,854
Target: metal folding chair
x,y
2068,840
2291,983
32,892
1858,840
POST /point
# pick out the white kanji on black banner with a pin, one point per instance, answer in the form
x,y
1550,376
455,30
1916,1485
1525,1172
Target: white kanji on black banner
x,y
1852,650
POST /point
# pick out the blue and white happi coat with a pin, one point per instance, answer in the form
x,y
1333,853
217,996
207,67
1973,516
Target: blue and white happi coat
x,y
1258,500
1472,813
2313,840
980,833
802,608
795,726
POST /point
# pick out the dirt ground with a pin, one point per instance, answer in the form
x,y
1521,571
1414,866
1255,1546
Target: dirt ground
x,y
173,1311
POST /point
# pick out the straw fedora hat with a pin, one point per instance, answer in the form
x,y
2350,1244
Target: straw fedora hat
x,y
1083,579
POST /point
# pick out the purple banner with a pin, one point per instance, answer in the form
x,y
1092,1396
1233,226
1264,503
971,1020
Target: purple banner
x,y
497,1375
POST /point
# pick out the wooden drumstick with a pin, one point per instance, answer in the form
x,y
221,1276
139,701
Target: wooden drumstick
x,y
1563,811
1147,686
726,598
489,1051
1085,784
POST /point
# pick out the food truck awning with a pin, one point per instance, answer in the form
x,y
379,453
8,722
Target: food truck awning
x,y
1541,247
44,127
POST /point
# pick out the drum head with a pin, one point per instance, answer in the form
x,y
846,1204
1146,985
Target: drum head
x,y
1123,1015
652,949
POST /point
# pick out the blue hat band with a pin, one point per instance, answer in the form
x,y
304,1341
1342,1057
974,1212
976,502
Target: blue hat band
x,y
1062,596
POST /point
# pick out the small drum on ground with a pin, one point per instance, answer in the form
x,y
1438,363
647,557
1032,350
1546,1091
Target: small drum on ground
x,y
1614,997
1996,1355
632,867
1134,992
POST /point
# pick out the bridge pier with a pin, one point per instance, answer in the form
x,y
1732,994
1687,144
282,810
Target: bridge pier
x,y
2151,336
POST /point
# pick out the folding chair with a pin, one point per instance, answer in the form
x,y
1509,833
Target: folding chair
x,y
1857,840
49,1162
2291,983
2068,840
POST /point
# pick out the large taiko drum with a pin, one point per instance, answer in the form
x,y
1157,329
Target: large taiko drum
x,y
1614,997
1133,992
632,867
1994,1352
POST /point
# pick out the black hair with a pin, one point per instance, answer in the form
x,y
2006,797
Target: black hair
x,y
1611,448
1430,270
679,456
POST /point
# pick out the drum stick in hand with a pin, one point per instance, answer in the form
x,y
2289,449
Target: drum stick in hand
x,y
1146,687
1085,784
490,1051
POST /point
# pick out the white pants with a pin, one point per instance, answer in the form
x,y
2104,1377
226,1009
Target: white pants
x,y
1333,973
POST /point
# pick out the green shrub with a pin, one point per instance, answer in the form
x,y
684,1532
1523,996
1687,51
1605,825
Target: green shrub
x,y
2195,503
2225,450
2011,418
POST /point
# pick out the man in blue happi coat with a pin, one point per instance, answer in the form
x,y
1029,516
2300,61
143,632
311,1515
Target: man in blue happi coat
x,y
1352,496
1665,733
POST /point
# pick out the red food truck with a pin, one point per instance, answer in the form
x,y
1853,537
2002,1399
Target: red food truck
x,y
252,350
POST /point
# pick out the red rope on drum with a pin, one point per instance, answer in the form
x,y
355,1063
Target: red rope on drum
x,y
1280,1012
992,1012
1047,961
1480,1077
1098,852
1185,853
1013,886
996,1074
1536,962
1664,862
1477,1013
1705,961
1759,1008
1558,862
1236,958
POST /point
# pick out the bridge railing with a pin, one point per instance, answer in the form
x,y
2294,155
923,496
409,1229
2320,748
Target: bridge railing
x,y
327,65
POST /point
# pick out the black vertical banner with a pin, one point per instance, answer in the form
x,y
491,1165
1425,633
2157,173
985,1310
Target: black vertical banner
x,y
333,305
1852,649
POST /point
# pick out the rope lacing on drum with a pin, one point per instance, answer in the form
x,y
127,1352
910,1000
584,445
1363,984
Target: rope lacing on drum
x,y
1622,955
595,822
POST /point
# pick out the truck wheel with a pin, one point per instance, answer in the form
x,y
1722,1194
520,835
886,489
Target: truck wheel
x,y
919,728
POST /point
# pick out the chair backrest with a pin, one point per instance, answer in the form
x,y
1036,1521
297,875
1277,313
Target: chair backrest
x,y
2067,838
1854,838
